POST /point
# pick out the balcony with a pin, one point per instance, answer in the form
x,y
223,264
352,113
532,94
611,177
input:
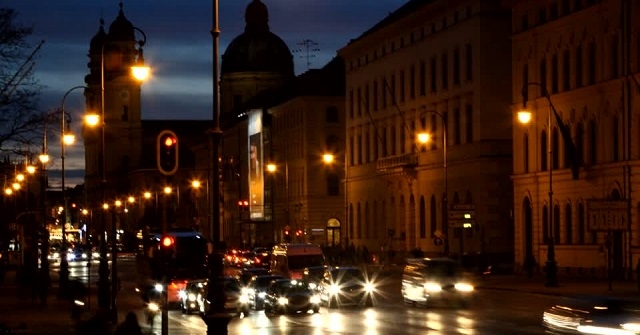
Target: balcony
x,y
397,163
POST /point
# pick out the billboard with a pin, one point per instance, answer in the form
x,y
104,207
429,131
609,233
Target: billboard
x,y
256,166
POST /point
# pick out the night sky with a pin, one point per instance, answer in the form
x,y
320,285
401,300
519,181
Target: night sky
x,y
178,48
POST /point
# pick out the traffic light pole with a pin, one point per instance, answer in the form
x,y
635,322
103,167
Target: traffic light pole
x,y
164,323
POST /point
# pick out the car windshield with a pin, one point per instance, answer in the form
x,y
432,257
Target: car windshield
x,y
299,262
441,268
347,274
264,281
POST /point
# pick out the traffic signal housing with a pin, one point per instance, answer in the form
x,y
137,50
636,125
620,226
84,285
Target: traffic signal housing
x,y
167,152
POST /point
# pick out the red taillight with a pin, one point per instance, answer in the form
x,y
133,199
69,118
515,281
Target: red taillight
x,y
257,260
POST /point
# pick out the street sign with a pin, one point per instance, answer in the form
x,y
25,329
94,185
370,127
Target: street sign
x,y
605,215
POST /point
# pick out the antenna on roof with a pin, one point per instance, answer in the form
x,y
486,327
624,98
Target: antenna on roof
x,y
307,47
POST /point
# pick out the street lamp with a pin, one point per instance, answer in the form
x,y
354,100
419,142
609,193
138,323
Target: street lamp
x,y
424,138
215,318
44,251
524,117
272,168
107,298
65,139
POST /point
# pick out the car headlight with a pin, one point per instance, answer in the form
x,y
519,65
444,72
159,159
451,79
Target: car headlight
x,y
191,297
95,255
432,287
158,287
56,255
464,287
334,289
633,326
315,299
369,287
312,286
243,299
84,255
283,301
246,291
586,329
262,295
153,307
71,257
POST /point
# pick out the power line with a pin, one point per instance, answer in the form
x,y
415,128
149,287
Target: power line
x,y
308,47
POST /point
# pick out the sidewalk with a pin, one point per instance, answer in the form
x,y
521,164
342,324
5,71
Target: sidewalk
x,y
24,315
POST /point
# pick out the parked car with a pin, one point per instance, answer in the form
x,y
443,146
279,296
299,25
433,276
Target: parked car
x,y
290,296
592,315
346,285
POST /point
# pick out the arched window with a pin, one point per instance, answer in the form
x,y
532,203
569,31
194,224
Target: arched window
x,y
433,215
568,223
580,142
543,151
581,224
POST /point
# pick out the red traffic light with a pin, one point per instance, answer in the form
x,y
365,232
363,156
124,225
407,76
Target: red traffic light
x,y
169,141
167,241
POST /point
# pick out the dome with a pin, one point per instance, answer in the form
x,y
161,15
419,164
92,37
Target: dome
x,y
95,46
257,49
121,29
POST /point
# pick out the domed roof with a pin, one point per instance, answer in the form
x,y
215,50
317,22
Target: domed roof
x,y
121,29
257,49
97,41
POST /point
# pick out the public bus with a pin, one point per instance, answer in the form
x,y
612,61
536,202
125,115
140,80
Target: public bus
x,y
290,259
189,261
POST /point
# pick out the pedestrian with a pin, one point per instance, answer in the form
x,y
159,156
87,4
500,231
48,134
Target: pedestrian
x,y
129,326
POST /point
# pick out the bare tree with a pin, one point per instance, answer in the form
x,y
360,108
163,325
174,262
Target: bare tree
x,y
21,124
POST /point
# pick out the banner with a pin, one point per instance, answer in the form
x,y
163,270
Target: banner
x,y
256,167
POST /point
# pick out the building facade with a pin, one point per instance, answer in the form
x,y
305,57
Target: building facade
x,y
584,55
437,67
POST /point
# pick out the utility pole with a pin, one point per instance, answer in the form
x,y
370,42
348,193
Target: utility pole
x,y
307,47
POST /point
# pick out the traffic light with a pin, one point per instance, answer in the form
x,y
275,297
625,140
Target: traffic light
x,y
167,152
167,247
287,235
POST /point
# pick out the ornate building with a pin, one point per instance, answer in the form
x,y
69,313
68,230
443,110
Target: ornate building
x,y
438,67
584,55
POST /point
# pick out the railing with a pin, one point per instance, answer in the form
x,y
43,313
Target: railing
x,y
407,160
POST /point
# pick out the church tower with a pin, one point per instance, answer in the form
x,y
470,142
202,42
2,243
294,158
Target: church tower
x,y
255,60
111,56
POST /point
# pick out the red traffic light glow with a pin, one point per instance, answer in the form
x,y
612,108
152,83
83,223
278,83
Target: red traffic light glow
x,y
167,241
169,141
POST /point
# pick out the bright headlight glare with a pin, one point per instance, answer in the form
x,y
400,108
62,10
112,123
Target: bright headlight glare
x,y
633,326
334,289
432,287
464,287
243,299
585,329
191,297
312,286
182,294
158,287
369,287
262,294
315,299
283,301
246,291
153,306
84,256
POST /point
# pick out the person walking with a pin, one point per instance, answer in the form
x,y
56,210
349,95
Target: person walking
x,y
129,326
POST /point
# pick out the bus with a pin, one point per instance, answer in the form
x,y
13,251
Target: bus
x,y
188,264
290,259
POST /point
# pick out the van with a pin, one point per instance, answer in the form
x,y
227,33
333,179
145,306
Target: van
x,y
430,280
290,259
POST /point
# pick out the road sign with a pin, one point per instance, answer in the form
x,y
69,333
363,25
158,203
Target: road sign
x,y
604,215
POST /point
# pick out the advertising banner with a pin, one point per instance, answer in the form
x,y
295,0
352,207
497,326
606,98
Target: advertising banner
x,y
256,166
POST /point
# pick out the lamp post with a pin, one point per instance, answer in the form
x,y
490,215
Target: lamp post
x,y
65,139
524,117
425,138
272,168
44,251
107,298
215,318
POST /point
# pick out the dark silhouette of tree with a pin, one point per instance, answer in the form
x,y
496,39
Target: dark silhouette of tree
x,y
20,121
